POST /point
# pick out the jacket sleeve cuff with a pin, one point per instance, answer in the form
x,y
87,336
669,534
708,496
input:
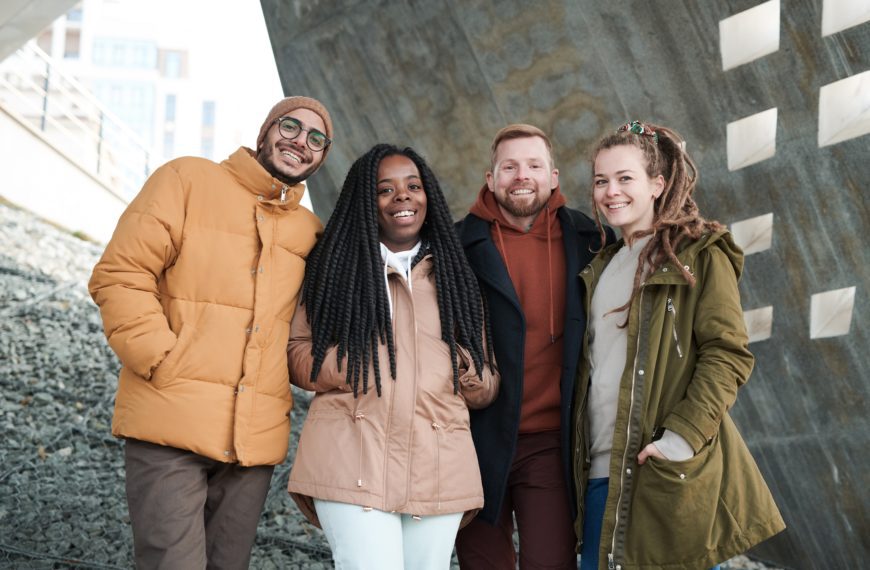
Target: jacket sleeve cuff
x,y
689,432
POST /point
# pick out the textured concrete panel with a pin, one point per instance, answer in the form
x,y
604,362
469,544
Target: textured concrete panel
x,y
443,76
21,20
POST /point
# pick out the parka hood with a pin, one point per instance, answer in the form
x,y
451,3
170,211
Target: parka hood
x,y
689,252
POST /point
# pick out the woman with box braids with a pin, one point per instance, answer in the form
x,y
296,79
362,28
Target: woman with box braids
x,y
337,317
390,473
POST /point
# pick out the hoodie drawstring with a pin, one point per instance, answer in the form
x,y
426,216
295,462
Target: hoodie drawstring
x,y
401,262
550,276
503,249
504,252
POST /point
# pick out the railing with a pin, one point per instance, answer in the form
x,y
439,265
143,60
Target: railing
x,y
36,91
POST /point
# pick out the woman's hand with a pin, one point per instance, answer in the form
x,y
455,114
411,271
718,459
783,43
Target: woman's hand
x,y
650,451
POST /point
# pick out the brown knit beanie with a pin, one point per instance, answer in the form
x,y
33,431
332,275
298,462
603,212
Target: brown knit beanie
x,y
287,105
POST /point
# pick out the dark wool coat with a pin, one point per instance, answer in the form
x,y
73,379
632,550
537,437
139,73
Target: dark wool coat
x,y
495,428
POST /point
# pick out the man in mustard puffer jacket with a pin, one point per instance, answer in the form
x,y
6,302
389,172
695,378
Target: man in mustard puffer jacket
x,y
197,288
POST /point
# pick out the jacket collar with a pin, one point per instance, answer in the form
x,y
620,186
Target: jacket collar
x,y
668,274
244,168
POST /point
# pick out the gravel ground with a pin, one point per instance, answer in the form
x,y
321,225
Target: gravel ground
x,y
61,473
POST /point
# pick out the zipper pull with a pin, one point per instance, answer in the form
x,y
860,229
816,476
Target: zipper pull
x,y
283,192
610,564
673,311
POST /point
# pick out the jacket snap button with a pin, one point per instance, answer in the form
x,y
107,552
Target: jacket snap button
x,y
260,198
640,372
260,218
664,269
682,475
227,453
628,471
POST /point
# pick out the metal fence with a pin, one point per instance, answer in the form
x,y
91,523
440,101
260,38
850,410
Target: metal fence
x,y
37,92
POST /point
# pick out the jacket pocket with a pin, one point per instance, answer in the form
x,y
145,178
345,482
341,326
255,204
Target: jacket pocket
x,y
359,419
677,515
165,373
438,430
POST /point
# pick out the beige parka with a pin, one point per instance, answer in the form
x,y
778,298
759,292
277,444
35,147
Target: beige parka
x,y
196,289
687,356
408,451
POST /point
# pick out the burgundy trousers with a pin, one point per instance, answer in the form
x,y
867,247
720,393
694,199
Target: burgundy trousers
x,y
538,496
190,512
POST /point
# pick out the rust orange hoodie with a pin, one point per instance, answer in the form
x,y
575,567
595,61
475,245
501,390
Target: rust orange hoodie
x,y
535,261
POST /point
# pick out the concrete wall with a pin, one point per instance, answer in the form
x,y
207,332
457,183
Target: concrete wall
x,y
21,20
443,76
39,178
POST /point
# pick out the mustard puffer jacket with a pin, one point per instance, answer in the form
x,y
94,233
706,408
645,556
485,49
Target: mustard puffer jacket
x,y
687,356
197,288
409,450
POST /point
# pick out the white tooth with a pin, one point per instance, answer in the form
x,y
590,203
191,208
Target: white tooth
x,y
291,155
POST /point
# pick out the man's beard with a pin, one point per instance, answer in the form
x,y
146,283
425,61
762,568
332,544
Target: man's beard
x,y
267,161
524,208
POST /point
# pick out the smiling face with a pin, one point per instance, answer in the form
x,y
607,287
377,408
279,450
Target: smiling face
x,y
401,203
291,161
522,179
623,191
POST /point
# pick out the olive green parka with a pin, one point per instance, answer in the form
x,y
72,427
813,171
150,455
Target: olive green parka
x,y
687,356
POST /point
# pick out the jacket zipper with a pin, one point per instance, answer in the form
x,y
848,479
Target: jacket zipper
x,y
437,428
673,311
610,560
283,193
358,418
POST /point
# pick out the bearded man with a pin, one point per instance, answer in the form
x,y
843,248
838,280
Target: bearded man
x,y
196,289
527,249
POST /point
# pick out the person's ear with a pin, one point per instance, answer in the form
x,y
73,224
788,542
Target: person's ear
x,y
554,179
658,186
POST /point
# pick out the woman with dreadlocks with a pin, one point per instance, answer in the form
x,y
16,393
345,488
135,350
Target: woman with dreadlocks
x,y
390,336
663,478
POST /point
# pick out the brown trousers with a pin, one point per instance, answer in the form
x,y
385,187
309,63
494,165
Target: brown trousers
x,y
537,494
190,512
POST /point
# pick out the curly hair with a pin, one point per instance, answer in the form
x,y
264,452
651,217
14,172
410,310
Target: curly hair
x,y
347,259
675,214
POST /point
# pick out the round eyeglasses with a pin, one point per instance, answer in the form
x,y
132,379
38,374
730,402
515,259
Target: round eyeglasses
x,y
290,128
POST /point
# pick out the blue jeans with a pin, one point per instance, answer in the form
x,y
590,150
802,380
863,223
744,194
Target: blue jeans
x,y
596,498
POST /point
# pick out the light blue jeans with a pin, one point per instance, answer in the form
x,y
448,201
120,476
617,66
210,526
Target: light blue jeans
x,y
369,539
596,498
